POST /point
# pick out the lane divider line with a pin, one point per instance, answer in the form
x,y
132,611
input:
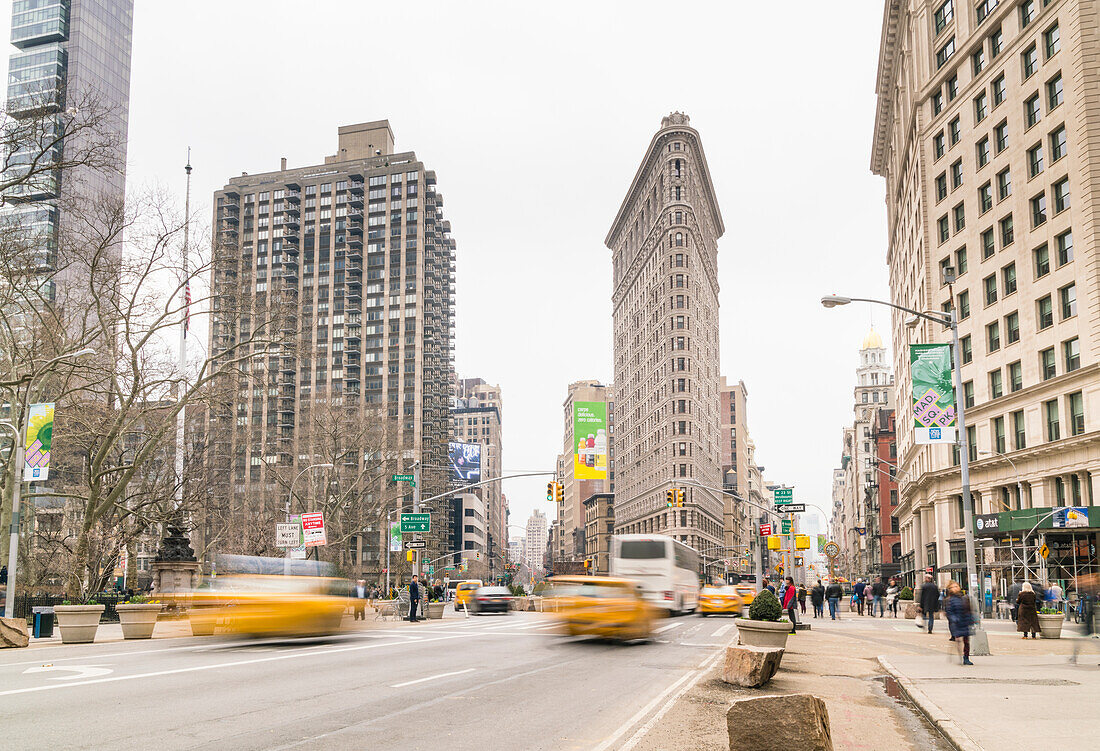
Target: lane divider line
x,y
432,678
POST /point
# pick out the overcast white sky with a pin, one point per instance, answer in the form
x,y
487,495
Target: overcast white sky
x,y
535,117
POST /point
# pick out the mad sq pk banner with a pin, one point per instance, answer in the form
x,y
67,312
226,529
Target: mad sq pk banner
x,y
933,394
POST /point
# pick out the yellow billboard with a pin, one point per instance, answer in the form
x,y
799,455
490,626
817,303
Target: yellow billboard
x,y
590,434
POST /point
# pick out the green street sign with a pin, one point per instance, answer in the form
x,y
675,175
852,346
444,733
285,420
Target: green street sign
x,y
416,523
784,496
786,526
405,478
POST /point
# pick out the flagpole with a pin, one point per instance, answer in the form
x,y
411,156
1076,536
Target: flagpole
x,y
184,325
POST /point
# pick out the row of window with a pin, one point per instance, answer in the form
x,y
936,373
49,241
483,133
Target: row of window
x,y
1052,411
1048,368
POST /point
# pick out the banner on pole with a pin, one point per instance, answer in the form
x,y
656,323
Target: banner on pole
x,y
395,537
39,438
933,395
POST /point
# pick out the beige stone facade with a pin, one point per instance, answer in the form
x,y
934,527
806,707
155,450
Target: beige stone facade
x,y
734,429
664,244
477,417
987,135
599,525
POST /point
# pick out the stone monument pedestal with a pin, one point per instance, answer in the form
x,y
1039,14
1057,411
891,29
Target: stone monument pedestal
x,y
176,572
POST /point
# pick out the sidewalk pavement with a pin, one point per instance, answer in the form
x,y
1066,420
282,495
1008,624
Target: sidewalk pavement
x,y
177,628
1004,698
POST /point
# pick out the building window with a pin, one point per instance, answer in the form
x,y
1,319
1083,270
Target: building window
x,y
1058,144
937,103
944,53
1050,409
960,217
1027,12
944,229
1054,92
960,261
981,107
938,145
1071,351
943,15
1030,60
1012,327
952,87
1019,430
1032,111
999,443
1051,41
1046,313
1047,367
1065,248
957,174
967,349
1015,376
968,393
941,187
964,305
985,198
988,246
1000,137
993,336
1075,406
983,152
954,129
1007,232
1061,195
985,7
1008,276
990,285
996,385
1068,296
1039,210
1042,261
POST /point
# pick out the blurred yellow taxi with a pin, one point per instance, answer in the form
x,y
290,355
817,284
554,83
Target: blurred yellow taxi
x,y
270,597
601,606
746,592
464,591
723,599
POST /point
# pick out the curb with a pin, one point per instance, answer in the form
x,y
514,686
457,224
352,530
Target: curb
x,y
955,735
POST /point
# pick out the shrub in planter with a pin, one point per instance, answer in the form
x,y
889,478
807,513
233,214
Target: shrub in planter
x,y
906,593
765,607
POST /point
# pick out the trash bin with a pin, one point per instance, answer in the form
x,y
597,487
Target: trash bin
x,y
43,622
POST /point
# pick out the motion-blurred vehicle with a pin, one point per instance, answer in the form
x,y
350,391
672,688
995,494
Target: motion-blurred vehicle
x,y
602,606
273,597
719,600
463,592
747,592
666,569
491,600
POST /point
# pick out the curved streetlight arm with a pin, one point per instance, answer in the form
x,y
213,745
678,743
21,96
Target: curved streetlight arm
x,y
831,301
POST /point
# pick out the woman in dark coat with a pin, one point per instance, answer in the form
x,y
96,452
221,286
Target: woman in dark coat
x,y
1027,614
959,619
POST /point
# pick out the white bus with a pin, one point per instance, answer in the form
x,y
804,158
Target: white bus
x,y
666,569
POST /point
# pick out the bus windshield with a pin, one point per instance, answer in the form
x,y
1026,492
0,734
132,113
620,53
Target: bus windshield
x,y
642,549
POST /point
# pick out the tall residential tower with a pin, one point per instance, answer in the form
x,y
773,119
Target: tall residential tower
x,y
664,246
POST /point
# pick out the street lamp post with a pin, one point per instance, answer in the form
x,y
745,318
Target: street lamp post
x,y
290,498
17,474
980,644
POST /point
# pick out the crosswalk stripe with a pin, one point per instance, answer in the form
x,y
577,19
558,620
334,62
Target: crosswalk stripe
x,y
723,629
670,626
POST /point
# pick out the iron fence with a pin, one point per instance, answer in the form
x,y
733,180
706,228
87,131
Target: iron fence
x,y
25,604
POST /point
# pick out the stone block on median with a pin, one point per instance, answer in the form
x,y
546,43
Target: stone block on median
x,y
795,722
14,633
751,667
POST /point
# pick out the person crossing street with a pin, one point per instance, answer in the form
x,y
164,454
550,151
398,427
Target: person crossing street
x,y
833,594
414,598
817,597
929,601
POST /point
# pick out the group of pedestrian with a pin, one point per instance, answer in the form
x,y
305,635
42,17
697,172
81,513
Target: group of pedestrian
x,y
957,610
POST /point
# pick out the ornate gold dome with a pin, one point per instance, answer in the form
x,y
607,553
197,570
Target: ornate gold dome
x,y
872,340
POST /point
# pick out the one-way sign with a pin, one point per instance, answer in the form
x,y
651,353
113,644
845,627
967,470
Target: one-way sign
x,y
791,508
415,544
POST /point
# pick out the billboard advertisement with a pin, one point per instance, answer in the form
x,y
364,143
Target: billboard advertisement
x,y
590,433
1071,516
39,438
465,463
933,394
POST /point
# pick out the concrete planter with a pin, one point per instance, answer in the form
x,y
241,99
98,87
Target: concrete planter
x,y
435,610
1050,625
910,609
138,619
78,623
752,633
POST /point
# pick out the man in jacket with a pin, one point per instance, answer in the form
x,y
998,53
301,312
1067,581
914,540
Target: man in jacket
x,y
414,598
359,599
1013,593
857,590
929,600
878,592
817,597
833,593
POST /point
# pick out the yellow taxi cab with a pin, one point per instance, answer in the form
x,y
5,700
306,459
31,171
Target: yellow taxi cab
x,y
464,591
298,601
601,606
721,599
746,592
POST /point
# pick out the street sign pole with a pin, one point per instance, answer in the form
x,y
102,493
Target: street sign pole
x,y
416,510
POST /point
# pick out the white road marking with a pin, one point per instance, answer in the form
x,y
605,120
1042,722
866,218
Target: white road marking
x,y
670,626
82,671
723,630
690,678
218,666
432,677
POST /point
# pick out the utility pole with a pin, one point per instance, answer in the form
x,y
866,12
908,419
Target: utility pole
x,y
416,510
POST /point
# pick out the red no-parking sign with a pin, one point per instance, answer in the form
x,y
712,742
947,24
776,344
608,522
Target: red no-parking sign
x,y
765,530
313,529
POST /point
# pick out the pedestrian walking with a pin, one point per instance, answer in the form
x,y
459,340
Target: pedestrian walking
x,y
959,619
857,594
790,595
833,593
817,598
414,598
802,598
768,586
1057,597
1013,595
1087,603
929,601
878,593
359,600
1027,613
892,597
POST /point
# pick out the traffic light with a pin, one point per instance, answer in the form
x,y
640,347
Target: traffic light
x,y
588,564
550,490
559,492
679,497
409,555
670,497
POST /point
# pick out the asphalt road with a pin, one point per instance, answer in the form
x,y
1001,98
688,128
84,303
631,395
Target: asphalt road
x,y
500,682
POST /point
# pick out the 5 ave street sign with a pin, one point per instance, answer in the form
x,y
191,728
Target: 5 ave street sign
x,y
416,523
784,496
790,508
415,544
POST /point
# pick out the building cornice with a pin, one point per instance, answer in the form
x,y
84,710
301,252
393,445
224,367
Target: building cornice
x,y
884,85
